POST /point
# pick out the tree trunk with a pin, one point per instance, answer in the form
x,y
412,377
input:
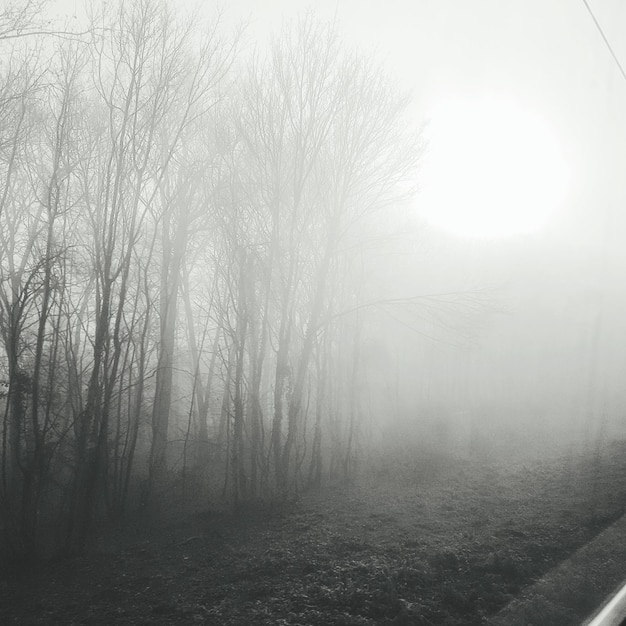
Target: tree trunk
x,y
173,252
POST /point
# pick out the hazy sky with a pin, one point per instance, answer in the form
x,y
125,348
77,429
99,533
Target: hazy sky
x,y
548,56
545,54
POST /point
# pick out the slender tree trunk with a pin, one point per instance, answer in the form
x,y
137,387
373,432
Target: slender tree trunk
x,y
173,252
348,463
315,469
297,394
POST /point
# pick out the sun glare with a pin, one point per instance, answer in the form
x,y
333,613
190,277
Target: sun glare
x,y
491,169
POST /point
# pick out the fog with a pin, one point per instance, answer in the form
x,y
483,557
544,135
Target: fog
x,y
218,275
540,364
547,351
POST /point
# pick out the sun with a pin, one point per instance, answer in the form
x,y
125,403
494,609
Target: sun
x,y
491,169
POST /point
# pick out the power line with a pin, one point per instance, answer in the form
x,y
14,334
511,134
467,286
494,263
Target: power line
x,y
606,41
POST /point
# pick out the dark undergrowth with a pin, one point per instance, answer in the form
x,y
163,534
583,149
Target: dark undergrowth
x,y
451,545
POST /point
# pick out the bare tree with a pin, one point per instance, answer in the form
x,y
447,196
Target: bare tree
x,y
36,207
147,91
198,96
141,175
328,144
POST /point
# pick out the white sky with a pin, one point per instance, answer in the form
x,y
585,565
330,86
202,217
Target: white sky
x,y
546,54
549,56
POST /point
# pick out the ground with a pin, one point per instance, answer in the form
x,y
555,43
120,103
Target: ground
x,y
440,541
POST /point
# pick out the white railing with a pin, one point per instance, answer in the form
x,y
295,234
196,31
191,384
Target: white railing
x,y
613,613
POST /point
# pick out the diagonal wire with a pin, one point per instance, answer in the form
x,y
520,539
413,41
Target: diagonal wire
x,y
606,41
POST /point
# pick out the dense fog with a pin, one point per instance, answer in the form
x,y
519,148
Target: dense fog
x,y
216,278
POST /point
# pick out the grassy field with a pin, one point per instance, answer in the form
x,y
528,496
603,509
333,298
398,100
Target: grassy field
x,y
441,541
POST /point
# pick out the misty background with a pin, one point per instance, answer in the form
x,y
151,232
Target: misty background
x,y
216,275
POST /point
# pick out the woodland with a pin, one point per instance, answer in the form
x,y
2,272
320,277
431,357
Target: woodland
x,y
181,255
189,335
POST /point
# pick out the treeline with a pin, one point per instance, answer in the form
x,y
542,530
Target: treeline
x,y
179,261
